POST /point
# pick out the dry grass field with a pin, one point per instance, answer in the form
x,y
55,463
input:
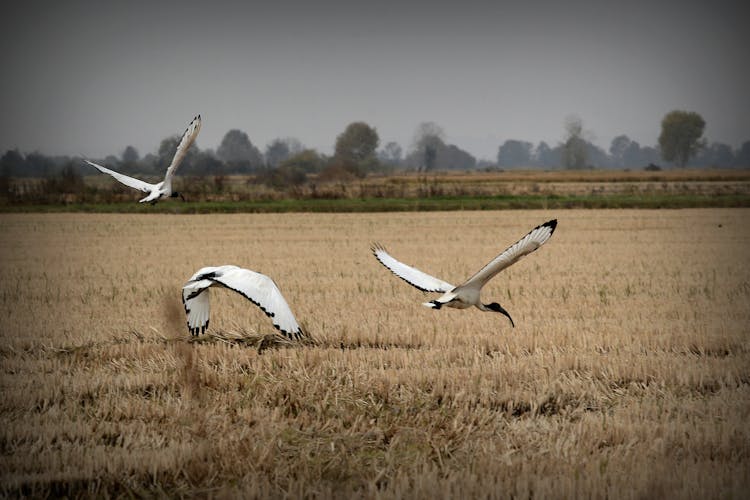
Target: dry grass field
x,y
627,375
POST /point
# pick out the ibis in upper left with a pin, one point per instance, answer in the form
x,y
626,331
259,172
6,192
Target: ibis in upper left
x,y
163,189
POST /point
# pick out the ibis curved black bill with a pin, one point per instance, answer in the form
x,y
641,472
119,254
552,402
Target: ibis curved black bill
x,y
498,308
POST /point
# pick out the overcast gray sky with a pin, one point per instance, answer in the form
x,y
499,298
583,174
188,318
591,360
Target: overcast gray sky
x,y
90,77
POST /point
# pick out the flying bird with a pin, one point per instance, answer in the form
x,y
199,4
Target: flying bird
x,y
255,287
468,294
163,189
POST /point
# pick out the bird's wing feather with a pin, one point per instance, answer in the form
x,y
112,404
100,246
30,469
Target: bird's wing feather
x,y
263,292
191,132
411,275
128,181
195,299
533,240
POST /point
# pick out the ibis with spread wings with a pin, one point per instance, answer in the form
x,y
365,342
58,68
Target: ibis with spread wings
x,y
255,287
163,189
468,293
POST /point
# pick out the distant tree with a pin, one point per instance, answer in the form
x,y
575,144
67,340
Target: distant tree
x,y
280,149
149,164
295,145
716,154
391,154
428,139
451,157
436,155
546,157
283,176
293,171
111,161
742,156
574,146
513,153
355,148
426,132
12,163
130,155
130,164
649,155
204,163
276,152
632,156
357,143
618,149
238,152
38,165
681,136
596,156
308,161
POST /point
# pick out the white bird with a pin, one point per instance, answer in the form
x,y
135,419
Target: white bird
x,y
255,287
468,294
162,189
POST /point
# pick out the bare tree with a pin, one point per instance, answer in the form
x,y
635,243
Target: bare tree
x,y
574,145
429,137
391,154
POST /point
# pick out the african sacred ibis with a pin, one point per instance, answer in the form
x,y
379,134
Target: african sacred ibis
x,y
467,294
162,189
255,287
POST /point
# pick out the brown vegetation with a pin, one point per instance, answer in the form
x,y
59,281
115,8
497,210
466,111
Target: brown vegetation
x,y
336,182
627,376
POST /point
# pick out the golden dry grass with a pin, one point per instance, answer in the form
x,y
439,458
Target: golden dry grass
x,y
627,376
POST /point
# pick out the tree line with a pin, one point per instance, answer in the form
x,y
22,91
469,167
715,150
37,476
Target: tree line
x,y
357,152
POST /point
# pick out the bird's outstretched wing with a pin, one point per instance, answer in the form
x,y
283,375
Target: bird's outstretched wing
x,y
195,297
533,240
411,275
263,292
257,288
128,181
188,138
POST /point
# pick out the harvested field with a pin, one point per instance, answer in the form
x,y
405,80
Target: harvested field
x,y
627,375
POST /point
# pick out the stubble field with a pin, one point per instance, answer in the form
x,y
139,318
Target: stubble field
x,y
627,375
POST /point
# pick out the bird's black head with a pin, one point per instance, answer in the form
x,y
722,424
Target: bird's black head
x,y
498,308
175,194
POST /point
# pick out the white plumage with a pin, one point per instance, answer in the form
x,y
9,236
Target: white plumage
x,y
162,189
468,294
257,288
